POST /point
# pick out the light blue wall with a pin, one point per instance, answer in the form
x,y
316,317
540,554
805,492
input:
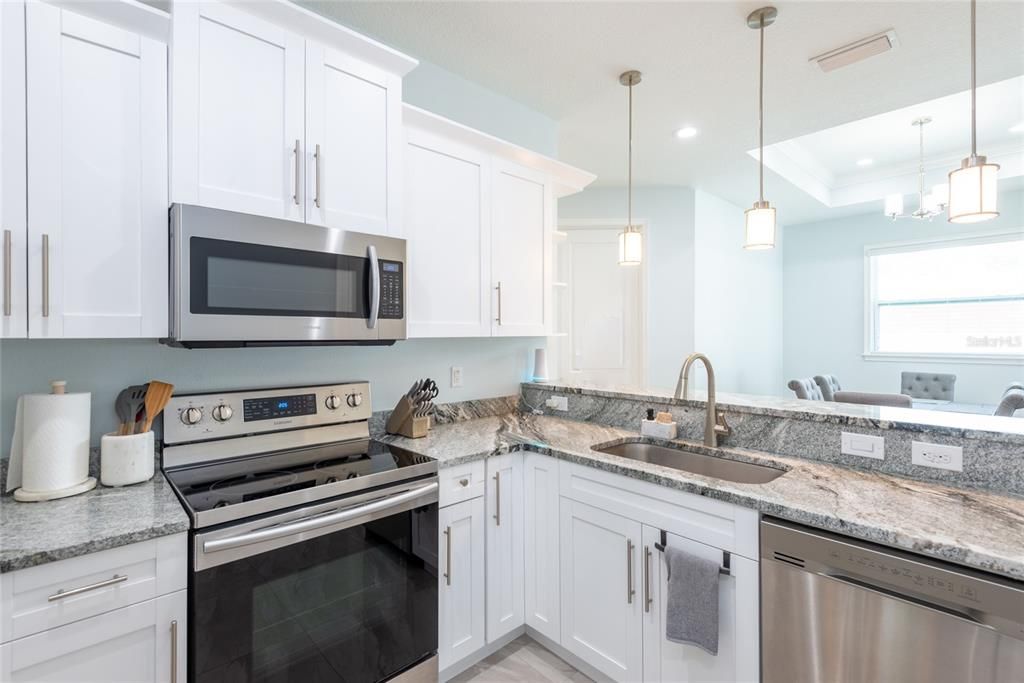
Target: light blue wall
x,y
492,367
823,302
668,255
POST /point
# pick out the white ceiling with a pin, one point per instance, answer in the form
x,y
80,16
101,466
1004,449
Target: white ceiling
x,y
699,62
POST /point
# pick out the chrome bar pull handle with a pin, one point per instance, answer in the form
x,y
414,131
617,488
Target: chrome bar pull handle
x,y
61,594
630,591
498,319
316,176
647,579
46,276
448,556
7,273
497,499
374,266
298,164
174,651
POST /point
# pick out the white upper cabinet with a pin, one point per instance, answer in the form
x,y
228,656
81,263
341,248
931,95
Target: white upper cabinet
x,y
238,112
13,290
479,228
97,177
448,233
353,118
278,112
522,219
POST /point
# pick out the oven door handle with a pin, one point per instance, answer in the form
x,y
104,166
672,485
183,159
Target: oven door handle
x,y
371,253
317,522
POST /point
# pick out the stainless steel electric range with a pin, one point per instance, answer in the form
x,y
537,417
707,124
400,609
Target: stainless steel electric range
x,y
313,549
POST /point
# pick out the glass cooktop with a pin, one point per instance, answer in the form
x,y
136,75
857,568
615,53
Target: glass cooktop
x,y
282,479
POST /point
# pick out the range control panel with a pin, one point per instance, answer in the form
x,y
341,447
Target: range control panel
x,y
392,290
218,415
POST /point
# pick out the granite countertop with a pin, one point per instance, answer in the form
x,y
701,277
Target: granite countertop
x,y
37,533
969,527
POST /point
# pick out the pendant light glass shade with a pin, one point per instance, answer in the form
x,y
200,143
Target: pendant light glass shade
x,y
972,191
972,187
631,248
759,229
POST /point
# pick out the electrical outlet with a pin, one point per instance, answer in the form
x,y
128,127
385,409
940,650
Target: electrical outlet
x,y
863,445
456,376
558,403
937,455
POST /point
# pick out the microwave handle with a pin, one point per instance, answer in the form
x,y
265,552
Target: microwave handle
x,y
371,253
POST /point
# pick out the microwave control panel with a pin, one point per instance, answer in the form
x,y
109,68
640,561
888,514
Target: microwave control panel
x,y
392,290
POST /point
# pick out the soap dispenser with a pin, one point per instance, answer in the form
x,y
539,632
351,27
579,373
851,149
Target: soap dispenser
x,y
660,426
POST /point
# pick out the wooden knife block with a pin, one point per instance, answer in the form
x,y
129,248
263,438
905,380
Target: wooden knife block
x,y
402,421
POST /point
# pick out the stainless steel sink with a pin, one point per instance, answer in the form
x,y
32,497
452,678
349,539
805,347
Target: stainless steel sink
x,y
697,463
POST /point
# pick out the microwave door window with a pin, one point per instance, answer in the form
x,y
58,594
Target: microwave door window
x,y
234,278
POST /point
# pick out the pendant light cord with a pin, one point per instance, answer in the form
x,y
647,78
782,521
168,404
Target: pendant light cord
x,y
974,83
760,116
920,165
629,193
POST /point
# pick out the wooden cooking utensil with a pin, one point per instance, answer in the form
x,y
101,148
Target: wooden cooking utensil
x,y
157,396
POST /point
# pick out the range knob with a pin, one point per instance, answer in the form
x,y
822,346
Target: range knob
x,y
192,415
333,402
354,400
222,412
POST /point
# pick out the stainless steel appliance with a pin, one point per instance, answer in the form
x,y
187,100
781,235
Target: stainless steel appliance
x,y
834,610
313,549
241,280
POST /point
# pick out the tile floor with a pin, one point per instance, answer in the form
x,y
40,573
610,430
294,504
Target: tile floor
x,y
522,660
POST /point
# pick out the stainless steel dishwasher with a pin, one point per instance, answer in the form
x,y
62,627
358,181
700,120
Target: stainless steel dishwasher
x,y
838,610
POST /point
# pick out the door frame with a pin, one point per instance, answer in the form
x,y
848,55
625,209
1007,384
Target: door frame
x,y
569,224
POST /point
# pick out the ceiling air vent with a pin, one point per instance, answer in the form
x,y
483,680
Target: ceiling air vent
x,y
856,51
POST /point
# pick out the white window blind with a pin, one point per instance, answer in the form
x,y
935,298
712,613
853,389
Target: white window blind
x,y
963,297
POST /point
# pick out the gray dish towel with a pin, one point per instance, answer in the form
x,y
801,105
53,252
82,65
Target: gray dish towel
x,y
691,615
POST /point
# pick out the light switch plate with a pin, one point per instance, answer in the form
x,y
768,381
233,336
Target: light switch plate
x,y
456,376
937,455
863,445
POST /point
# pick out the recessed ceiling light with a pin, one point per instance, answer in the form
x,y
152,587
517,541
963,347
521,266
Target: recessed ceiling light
x,y
865,162
686,132
1019,128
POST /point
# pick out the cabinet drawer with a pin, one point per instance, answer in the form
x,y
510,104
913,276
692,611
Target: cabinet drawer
x,y
58,593
461,482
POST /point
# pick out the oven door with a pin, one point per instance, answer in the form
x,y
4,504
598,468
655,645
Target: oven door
x,y
341,591
251,279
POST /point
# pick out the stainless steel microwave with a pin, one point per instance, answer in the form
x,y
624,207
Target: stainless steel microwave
x,y
241,280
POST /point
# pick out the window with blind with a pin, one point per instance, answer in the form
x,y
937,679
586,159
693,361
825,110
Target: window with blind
x,y
961,297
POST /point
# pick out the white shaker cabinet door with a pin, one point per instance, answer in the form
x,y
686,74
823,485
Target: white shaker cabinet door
x,y
97,178
461,591
738,620
353,143
13,226
448,233
141,643
601,590
541,549
522,212
237,112
505,567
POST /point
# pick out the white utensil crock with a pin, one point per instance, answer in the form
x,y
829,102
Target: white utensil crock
x,y
126,459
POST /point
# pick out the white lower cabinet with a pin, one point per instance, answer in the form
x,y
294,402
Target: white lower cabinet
x,y
601,607
540,540
461,591
141,642
504,500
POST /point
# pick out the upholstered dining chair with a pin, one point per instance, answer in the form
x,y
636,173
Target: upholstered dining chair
x,y
872,399
806,389
829,385
936,386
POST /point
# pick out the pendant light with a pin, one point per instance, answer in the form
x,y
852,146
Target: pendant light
x,y
759,229
972,187
631,245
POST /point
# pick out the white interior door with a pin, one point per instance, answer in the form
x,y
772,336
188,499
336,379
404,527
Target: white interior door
x,y
605,343
97,178
352,124
13,222
238,112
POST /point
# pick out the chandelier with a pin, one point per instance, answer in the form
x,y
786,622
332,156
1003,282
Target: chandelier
x,y
930,204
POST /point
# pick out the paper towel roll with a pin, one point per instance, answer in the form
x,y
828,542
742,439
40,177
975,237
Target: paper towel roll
x,y
51,443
